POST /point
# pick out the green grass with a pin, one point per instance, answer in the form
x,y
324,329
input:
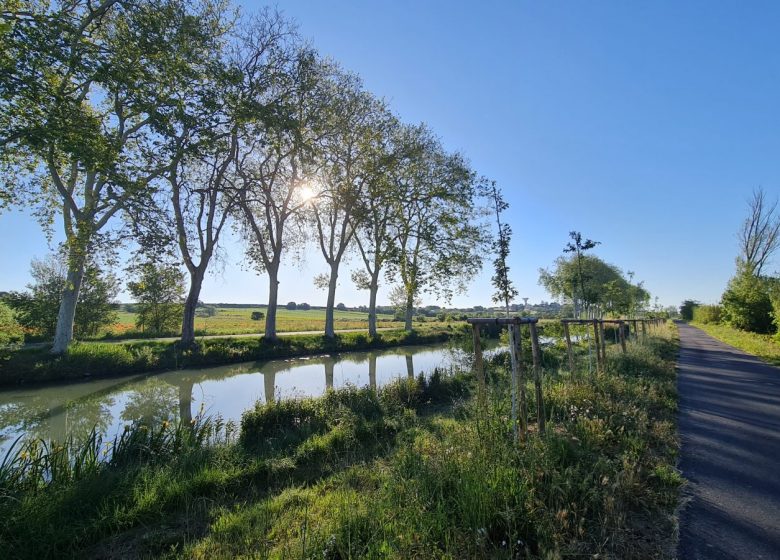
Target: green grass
x,y
417,470
763,346
104,359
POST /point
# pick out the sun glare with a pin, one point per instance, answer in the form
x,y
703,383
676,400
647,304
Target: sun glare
x,y
308,193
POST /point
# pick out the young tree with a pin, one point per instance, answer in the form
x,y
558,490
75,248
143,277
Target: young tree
x,y
84,107
438,243
759,236
746,302
159,293
505,290
578,248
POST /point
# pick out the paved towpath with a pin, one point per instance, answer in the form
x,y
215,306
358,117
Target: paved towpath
x,y
729,425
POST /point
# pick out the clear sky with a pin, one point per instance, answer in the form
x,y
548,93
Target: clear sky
x,y
645,125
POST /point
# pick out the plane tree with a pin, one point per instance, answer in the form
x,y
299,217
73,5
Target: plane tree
x,y
87,93
438,233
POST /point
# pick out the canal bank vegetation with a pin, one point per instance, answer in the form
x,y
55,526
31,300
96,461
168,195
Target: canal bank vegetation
x,y
415,469
105,359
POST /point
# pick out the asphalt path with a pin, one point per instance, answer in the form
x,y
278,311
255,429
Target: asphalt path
x,y
729,422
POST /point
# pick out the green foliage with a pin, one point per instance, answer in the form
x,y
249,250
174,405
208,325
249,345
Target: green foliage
x,y
11,333
686,309
37,308
291,306
603,290
257,315
707,314
746,304
159,294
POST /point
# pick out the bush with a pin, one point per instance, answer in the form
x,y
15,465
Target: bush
x,y
11,334
257,315
746,304
159,292
304,306
707,314
292,306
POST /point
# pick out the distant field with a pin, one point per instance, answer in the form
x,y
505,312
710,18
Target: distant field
x,y
230,320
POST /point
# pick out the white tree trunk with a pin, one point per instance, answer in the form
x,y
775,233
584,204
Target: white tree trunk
x,y
409,312
63,335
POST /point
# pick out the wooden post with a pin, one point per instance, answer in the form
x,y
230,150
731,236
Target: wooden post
x,y
568,346
479,366
644,330
603,341
597,344
516,356
622,336
537,358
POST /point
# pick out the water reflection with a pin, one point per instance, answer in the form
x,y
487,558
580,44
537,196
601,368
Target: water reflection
x,y
55,412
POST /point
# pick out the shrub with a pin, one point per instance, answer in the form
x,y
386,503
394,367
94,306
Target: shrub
x,y
746,304
11,334
257,315
707,314
292,306
159,291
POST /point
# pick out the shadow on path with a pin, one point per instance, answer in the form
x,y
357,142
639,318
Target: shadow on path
x,y
729,423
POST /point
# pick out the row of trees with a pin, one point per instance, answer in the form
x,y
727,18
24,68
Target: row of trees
x,y
180,119
591,286
751,301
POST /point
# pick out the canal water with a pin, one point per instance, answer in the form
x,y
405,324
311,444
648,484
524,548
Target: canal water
x,y
59,411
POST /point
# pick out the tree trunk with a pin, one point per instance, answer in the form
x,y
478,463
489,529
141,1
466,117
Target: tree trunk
x,y
330,367
63,335
185,403
190,305
373,289
330,331
409,312
273,295
372,370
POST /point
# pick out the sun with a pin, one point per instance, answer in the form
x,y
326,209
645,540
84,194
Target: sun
x,y
308,193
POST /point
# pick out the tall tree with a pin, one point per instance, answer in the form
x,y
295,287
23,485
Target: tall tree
x,y
85,105
201,181
759,236
374,234
275,167
438,241
347,153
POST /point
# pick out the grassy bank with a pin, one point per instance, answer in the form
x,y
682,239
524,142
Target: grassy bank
x,y
96,359
763,346
415,470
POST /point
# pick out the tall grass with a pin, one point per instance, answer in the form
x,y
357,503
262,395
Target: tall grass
x,y
415,470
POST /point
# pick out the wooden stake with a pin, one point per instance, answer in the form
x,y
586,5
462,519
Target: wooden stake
x,y
515,352
479,366
622,336
537,358
568,346
603,342
597,344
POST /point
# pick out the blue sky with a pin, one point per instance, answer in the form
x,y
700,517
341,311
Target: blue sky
x,y
643,125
